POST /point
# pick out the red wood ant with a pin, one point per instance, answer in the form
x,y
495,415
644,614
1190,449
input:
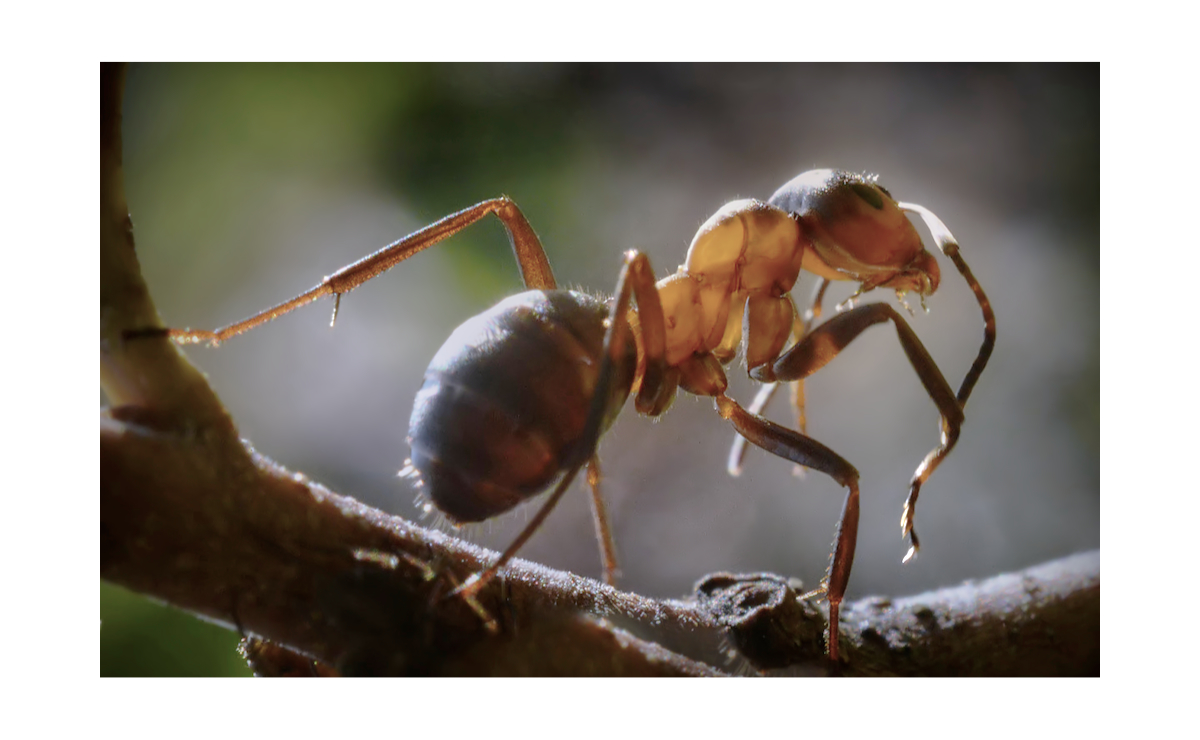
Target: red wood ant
x,y
519,395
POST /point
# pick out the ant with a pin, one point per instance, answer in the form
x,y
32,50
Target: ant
x,y
519,395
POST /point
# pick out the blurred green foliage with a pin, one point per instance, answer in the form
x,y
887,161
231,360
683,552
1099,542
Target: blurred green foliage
x,y
141,638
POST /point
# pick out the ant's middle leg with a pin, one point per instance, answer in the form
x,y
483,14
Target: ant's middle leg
x,y
825,342
804,450
702,375
737,453
531,258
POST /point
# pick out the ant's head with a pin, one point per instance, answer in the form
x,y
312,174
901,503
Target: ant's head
x,y
858,230
921,276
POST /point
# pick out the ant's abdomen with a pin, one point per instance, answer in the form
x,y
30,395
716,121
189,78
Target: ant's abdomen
x,y
505,401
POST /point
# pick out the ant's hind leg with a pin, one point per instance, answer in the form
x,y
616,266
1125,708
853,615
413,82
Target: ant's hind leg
x,y
608,548
531,258
636,281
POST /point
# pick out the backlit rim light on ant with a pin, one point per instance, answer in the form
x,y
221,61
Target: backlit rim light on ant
x,y
516,400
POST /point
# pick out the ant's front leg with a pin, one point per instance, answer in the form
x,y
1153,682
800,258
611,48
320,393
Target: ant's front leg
x,y
531,258
822,344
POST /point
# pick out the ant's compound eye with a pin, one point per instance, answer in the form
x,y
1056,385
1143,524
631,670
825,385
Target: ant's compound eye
x,y
885,191
869,194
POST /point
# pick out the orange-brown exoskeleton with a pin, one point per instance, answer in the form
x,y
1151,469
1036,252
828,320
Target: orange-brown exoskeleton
x,y
517,398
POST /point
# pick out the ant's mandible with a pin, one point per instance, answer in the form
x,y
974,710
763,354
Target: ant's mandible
x,y
519,395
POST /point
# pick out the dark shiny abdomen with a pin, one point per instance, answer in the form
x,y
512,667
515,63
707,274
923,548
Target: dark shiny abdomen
x,y
505,399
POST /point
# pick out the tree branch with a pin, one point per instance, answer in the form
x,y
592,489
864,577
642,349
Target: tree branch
x,y
190,514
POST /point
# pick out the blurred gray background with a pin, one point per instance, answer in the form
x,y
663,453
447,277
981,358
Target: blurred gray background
x,y
248,184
